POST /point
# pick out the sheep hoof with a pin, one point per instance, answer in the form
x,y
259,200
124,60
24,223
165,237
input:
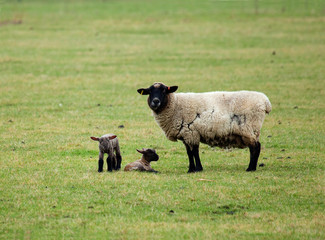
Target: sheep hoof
x,y
199,169
100,170
250,170
191,171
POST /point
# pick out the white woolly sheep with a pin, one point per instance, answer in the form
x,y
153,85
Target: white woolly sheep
x,y
223,119
108,144
143,164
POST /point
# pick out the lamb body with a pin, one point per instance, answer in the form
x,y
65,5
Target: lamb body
x,y
109,144
143,164
223,119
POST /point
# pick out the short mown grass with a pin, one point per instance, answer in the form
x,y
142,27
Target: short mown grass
x,y
70,69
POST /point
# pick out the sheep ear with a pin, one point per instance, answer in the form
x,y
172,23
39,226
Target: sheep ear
x,y
140,151
112,137
172,89
144,91
94,138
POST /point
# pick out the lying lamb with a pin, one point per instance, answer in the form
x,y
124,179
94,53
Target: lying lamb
x,y
143,164
108,144
223,119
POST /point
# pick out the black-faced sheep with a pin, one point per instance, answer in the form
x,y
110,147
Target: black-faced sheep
x,y
109,144
143,164
223,119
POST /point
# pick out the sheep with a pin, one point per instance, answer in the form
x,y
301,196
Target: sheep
x,y
222,119
108,144
143,164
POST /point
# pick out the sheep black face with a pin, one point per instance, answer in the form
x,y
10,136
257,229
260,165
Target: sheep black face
x,y
149,155
158,93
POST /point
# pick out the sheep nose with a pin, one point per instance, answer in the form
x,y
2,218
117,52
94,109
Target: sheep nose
x,y
155,104
156,101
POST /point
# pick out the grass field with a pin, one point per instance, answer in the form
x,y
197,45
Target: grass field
x,y
70,69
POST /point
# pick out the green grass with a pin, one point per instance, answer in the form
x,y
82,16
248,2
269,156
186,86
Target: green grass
x,y
70,69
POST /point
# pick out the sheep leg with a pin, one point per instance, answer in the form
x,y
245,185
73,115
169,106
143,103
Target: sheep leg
x,y
114,163
100,162
198,165
119,160
190,158
118,157
254,154
109,161
152,170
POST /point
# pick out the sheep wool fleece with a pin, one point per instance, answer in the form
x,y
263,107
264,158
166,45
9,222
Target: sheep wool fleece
x,y
223,119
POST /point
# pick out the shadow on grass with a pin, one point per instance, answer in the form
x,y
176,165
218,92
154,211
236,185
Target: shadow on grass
x,y
229,209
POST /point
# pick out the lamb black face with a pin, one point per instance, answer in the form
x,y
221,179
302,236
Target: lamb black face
x,y
152,155
158,92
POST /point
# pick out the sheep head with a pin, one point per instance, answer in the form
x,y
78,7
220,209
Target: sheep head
x,y
103,138
158,95
149,154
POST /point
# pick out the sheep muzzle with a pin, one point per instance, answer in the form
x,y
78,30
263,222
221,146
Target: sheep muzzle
x,y
155,104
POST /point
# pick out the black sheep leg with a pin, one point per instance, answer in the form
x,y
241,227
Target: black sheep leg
x,y
114,163
254,154
198,165
109,161
100,162
190,158
119,160
100,165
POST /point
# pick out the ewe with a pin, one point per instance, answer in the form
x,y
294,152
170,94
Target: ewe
x,y
223,119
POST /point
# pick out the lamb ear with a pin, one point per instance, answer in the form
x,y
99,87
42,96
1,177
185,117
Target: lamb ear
x,y
144,91
94,138
112,137
140,151
172,89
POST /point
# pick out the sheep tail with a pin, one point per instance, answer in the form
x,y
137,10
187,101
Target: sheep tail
x,y
268,106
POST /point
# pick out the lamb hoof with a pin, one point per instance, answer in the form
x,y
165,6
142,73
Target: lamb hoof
x,y
191,171
250,170
100,170
199,170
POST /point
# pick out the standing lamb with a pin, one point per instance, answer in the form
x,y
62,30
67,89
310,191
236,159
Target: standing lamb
x,y
223,119
143,164
108,144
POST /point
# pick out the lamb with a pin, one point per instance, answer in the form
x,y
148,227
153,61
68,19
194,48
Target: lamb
x,y
223,119
108,144
143,164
